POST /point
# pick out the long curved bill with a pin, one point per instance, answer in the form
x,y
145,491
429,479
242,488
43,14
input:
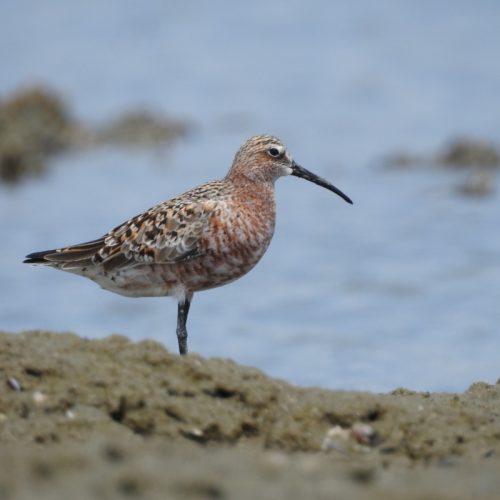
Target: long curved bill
x,y
299,171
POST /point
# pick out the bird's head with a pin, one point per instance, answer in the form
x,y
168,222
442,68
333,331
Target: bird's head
x,y
264,158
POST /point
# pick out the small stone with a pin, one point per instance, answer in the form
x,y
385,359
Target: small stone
x,y
363,433
14,384
39,397
336,439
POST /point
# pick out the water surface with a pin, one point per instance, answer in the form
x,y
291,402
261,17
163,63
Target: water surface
x,y
401,289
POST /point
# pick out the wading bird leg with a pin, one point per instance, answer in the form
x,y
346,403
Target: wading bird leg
x,y
182,314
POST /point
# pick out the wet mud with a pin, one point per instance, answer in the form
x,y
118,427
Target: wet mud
x,y
477,158
36,123
115,419
464,152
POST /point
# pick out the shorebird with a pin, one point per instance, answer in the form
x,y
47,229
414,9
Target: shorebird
x,y
202,239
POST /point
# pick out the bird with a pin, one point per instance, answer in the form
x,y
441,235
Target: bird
x,y
204,238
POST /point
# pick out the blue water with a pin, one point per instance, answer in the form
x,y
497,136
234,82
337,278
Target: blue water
x,y
401,289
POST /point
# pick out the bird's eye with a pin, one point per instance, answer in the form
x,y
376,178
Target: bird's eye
x,y
274,152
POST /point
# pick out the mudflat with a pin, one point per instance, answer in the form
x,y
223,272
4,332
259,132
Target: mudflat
x,y
115,419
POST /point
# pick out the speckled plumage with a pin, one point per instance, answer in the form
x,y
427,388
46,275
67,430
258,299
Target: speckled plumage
x,y
204,238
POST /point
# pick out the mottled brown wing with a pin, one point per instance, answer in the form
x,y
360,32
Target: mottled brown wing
x,y
168,233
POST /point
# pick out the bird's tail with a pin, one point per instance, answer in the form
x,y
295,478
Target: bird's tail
x,y
66,258
38,257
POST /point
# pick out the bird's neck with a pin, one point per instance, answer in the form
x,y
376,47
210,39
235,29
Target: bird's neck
x,y
250,191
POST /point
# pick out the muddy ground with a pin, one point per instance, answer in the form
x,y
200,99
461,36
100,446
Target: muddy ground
x,y
115,419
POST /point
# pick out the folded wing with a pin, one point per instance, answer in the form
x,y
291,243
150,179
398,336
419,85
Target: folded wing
x,y
167,233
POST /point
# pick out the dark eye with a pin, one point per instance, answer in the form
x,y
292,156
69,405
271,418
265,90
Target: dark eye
x,y
274,152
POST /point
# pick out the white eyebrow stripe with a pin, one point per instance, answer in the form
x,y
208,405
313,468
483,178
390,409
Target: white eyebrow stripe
x,y
279,147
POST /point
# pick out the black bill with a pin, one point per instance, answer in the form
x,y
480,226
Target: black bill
x,y
299,171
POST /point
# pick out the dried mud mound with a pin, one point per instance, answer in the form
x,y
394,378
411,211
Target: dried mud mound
x,y
132,420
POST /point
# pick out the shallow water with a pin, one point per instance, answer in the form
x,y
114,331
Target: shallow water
x,y
401,289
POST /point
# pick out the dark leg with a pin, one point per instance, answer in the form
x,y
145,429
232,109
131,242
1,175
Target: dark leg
x,y
182,314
